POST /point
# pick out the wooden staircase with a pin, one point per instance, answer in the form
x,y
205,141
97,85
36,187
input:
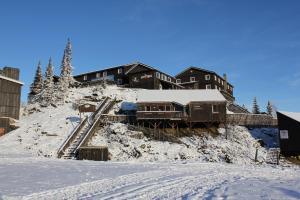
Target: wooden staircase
x,y
83,131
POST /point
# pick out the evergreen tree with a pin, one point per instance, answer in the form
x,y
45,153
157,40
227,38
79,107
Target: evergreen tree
x,y
66,79
255,109
269,108
48,95
37,85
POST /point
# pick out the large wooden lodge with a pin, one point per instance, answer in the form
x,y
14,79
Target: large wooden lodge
x,y
139,75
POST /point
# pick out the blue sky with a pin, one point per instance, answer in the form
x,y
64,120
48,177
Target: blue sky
x,y
257,43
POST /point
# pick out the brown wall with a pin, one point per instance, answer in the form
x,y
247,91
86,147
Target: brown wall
x,y
202,112
10,99
10,72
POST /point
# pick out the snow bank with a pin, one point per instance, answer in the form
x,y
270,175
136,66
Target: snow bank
x,y
125,145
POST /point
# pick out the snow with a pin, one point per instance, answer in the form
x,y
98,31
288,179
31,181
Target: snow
x,y
33,178
292,115
192,167
10,79
180,96
125,144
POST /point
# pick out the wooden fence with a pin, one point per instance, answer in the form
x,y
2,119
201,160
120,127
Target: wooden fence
x,y
245,119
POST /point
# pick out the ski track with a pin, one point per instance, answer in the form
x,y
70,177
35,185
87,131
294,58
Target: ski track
x,y
162,183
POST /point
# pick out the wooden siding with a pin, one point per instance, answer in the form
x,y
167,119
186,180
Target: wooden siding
x,y
203,112
10,72
248,119
291,145
93,153
10,99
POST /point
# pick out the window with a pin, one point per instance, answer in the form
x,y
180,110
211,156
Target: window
x,y
168,108
222,82
119,81
141,108
208,86
161,108
157,75
192,79
169,79
85,77
219,80
197,107
98,75
120,71
207,77
162,77
215,108
104,73
148,108
178,80
215,78
166,78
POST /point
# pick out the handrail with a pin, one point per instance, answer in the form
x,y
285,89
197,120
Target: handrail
x,y
70,136
75,131
106,108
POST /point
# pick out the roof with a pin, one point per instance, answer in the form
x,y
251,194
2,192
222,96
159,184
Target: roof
x,y
180,96
292,115
204,70
11,80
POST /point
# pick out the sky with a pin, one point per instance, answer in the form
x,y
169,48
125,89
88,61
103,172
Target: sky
x,y
256,43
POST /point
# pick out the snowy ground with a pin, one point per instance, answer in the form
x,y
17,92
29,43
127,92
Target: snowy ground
x,y
140,168
36,178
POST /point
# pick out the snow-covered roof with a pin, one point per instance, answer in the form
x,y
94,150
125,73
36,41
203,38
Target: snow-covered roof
x,y
10,79
180,96
292,115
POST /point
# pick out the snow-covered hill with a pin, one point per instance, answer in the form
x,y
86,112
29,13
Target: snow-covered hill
x,y
42,132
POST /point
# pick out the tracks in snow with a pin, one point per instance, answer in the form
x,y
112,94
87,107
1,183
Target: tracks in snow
x,y
161,183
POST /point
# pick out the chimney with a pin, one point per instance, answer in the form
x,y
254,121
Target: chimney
x,y
11,72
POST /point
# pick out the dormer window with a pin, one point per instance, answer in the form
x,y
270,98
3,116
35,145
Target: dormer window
x,y
192,79
178,80
207,77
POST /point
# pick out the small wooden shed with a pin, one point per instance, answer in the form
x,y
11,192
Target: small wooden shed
x,y
289,133
97,153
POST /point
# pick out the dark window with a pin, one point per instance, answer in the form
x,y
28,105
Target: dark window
x,y
148,108
215,109
141,108
168,108
161,108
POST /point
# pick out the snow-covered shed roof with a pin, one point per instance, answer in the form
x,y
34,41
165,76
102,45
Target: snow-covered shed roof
x,y
180,96
292,115
10,79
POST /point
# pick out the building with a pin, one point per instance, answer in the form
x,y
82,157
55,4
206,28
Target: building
x,y
135,75
10,93
10,98
289,133
198,78
190,106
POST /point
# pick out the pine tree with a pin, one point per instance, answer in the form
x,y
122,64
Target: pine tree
x,y
269,108
37,85
255,109
48,95
66,79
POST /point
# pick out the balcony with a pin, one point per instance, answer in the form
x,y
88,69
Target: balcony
x,y
172,115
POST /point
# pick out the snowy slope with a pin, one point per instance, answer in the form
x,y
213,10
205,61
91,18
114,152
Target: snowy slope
x,y
125,145
67,179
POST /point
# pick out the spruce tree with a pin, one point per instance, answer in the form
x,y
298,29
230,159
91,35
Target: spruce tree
x,y
66,79
48,95
269,108
255,109
37,85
